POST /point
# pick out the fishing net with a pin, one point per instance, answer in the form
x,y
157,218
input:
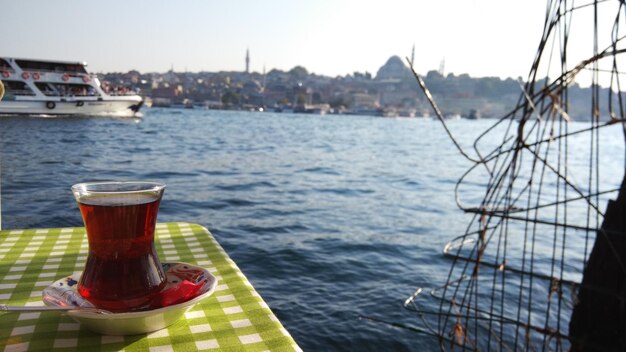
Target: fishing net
x,y
541,264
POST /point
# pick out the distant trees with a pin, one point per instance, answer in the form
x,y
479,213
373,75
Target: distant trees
x,y
365,76
301,100
464,85
231,98
298,73
435,82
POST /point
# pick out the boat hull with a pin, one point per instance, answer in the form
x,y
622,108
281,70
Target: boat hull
x,y
83,107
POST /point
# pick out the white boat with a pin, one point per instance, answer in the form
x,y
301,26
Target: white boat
x,y
41,87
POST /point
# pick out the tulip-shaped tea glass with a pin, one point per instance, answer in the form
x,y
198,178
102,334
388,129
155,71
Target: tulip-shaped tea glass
x,y
122,272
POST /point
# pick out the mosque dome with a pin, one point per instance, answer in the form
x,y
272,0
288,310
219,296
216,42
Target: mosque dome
x,y
394,68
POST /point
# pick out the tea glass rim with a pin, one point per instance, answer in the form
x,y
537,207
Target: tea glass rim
x,y
143,186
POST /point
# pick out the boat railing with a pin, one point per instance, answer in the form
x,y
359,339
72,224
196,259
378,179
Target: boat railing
x,y
57,94
52,70
9,73
58,72
121,94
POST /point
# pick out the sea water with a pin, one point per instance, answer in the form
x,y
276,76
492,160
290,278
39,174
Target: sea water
x,y
335,220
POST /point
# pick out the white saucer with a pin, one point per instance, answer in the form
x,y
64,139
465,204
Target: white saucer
x,y
64,293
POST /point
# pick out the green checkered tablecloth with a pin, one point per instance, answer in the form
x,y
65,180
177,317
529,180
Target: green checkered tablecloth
x,y
234,318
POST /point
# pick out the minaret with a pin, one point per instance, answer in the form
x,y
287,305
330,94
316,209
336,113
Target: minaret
x,y
442,66
413,55
247,61
264,77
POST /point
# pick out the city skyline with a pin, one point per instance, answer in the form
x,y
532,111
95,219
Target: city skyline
x,y
332,38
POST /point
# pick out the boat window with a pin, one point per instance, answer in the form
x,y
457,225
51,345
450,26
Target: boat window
x,y
47,89
4,66
17,88
77,90
81,90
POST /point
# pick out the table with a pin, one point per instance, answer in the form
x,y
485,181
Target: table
x,y
234,318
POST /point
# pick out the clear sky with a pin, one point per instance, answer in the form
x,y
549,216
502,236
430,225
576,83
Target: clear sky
x,y
328,37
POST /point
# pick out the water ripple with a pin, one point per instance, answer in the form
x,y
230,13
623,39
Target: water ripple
x,y
331,218
245,186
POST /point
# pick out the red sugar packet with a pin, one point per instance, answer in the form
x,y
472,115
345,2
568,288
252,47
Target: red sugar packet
x,y
178,293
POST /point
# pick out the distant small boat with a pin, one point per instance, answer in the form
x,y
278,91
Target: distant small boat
x,y
41,87
474,114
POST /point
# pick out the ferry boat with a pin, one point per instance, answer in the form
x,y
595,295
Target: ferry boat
x,y
40,87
